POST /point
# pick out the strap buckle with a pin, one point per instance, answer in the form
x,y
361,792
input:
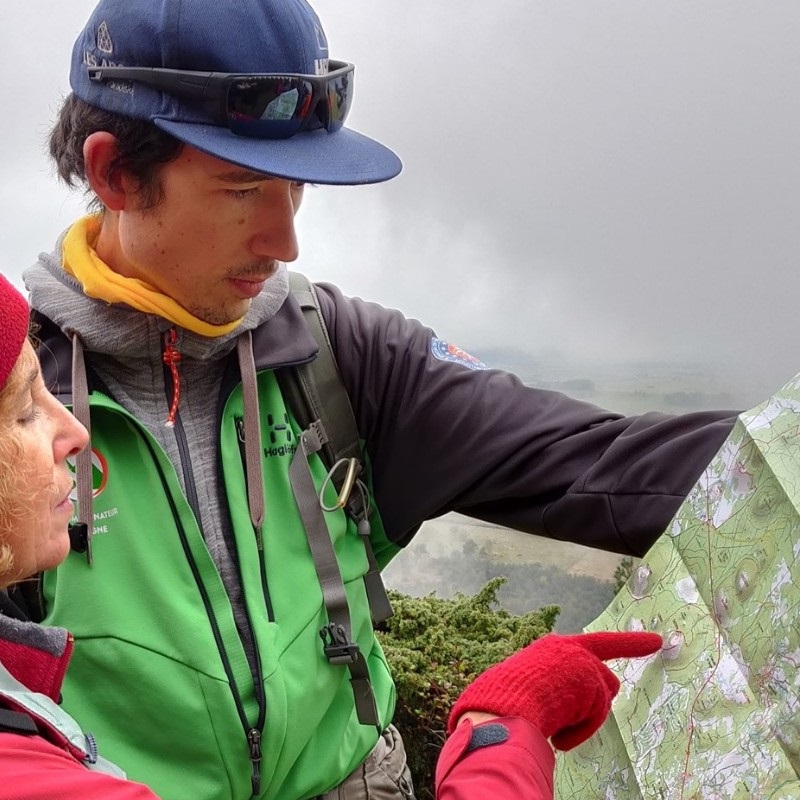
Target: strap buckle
x,y
338,648
80,541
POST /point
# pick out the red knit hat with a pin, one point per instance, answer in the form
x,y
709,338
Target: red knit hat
x,y
14,322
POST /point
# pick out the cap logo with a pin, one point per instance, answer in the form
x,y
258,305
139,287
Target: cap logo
x,y
104,43
321,64
322,41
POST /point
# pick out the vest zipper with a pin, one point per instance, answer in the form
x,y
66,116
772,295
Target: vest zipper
x,y
254,738
252,734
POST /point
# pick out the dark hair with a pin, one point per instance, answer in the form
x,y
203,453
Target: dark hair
x,y
141,148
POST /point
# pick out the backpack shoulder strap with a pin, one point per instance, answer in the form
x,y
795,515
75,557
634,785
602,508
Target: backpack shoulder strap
x,y
315,390
320,404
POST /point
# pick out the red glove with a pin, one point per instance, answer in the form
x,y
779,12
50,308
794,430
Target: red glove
x,y
558,683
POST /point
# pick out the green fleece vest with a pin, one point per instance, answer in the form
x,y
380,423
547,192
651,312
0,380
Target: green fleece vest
x,y
157,655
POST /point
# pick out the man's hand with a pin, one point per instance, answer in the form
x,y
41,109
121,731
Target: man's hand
x,y
558,683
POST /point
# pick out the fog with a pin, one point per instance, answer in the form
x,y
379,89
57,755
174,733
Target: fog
x,y
605,180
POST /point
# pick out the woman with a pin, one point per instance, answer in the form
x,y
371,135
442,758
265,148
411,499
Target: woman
x,y
556,687
43,753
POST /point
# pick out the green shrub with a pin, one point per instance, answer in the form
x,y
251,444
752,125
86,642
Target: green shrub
x,y
622,573
435,648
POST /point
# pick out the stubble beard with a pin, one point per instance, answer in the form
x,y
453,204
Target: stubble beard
x,y
215,315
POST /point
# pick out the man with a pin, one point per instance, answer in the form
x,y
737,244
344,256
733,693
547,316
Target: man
x,y
202,605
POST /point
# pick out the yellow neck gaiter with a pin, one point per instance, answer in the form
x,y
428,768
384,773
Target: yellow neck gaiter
x,y
102,283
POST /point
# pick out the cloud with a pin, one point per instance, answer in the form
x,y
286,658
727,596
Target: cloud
x,y
615,180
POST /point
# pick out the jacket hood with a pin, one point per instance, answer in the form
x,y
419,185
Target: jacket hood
x,y
35,655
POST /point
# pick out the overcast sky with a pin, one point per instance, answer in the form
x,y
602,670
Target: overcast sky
x,y
613,179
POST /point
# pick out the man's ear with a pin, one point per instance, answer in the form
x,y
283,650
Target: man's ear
x,y
107,182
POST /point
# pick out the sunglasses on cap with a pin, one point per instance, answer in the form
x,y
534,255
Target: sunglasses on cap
x,y
264,106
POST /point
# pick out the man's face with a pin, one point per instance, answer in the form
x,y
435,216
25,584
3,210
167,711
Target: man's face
x,y
215,237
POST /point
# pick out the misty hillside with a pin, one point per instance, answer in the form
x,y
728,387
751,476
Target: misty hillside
x,y
459,554
630,387
456,553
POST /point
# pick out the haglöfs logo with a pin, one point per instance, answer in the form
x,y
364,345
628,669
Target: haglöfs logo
x,y
281,439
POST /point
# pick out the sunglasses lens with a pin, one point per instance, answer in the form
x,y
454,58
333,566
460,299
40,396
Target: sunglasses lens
x,y
340,98
275,107
269,107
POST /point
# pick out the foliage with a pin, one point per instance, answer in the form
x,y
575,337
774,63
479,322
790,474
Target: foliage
x,y
622,573
581,598
436,647
530,584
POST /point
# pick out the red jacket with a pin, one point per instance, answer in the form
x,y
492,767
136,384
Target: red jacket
x,y
505,759
43,753
33,768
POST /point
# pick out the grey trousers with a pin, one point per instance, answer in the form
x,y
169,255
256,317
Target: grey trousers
x,y
383,776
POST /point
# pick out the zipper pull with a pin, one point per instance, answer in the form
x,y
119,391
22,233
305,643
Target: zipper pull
x,y
91,748
254,738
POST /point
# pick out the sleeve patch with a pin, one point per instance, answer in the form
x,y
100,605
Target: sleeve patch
x,y
449,352
486,735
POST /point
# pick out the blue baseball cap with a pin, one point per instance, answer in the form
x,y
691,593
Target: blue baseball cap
x,y
241,36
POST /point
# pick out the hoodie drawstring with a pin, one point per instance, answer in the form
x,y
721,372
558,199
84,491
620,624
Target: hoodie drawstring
x,y
172,358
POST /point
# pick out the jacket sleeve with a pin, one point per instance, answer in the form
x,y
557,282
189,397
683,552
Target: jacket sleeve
x,y
33,768
443,437
506,759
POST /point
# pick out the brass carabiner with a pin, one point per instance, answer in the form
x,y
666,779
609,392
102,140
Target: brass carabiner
x,y
349,482
353,468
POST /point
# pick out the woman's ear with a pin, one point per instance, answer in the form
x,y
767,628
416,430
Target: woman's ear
x,y
106,181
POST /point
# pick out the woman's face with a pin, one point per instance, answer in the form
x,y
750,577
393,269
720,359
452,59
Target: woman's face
x,y
37,434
